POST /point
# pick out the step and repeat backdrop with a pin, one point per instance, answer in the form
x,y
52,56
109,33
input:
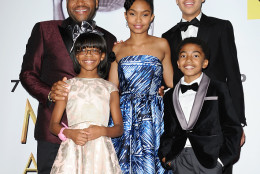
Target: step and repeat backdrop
x,y
18,109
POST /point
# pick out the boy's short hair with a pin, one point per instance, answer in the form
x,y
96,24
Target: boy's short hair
x,y
197,41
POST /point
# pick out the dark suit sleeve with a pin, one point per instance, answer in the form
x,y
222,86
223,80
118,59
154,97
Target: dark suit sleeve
x,y
31,66
163,36
167,136
229,53
170,128
231,128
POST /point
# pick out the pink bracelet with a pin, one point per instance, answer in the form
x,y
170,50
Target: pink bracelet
x,y
64,125
61,135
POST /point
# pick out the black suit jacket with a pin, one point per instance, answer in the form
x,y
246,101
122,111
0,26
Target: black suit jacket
x,y
47,60
223,63
213,129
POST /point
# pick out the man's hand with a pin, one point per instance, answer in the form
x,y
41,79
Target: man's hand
x,y
118,42
59,90
243,138
163,160
169,163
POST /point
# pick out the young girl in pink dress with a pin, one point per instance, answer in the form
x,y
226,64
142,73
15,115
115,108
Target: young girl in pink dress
x,y
86,144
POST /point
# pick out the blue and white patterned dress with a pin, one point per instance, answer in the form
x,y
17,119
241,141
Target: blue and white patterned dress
x,y
142,110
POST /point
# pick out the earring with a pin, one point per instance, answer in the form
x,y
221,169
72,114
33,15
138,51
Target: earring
x,y
127,25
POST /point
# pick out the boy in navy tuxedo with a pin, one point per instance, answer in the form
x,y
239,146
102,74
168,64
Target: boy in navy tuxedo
x,y
202,131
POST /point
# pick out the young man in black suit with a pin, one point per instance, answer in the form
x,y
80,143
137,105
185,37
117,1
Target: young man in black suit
x,y
218,35
201,129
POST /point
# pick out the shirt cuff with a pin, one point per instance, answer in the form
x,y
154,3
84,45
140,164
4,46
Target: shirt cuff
x,y
220,162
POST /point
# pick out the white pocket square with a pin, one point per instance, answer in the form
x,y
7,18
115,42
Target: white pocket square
x,y
211,98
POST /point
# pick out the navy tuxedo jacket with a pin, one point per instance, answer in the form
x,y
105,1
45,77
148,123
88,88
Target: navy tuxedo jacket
x,y
223,64
213,129
46,61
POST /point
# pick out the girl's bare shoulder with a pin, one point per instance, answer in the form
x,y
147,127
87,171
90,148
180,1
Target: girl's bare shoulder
x,y
120,49
159,41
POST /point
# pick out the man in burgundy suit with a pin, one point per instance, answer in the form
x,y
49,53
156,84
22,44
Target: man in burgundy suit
x,y
47,60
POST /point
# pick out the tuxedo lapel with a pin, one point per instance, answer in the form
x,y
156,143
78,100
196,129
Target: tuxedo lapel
x,y
66,38
66,33
176,41
197,105
174,38
203,32
178,37
177,107
198,101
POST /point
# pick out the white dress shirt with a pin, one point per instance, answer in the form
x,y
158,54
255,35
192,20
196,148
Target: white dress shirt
x,y
192,30
186,101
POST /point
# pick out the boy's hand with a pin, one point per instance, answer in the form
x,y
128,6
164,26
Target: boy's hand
x,y
163,160
161,91
168,164
93,132
59,90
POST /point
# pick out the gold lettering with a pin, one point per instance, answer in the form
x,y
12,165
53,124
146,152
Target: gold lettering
x,y
28,112
27,169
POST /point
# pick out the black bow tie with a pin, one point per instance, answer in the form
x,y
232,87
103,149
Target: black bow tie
x,y
184,25
193,87
86,27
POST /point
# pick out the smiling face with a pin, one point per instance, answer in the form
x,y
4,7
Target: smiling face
x,y
89,59
190,8
191,61
81,10
139,17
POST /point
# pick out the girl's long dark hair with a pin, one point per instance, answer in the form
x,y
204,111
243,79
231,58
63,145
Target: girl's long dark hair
x,y
91,40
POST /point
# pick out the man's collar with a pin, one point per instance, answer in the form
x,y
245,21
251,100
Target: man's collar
x,y
69,22
198,17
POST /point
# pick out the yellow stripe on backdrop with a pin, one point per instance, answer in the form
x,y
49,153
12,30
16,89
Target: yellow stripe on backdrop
x,y
253,9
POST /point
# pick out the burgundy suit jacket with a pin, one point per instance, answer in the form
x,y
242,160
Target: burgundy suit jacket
x,y
46,61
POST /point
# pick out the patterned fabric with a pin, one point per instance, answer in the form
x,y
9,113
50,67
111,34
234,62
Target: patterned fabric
x,y
88,100
88,104
142,110
110,5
